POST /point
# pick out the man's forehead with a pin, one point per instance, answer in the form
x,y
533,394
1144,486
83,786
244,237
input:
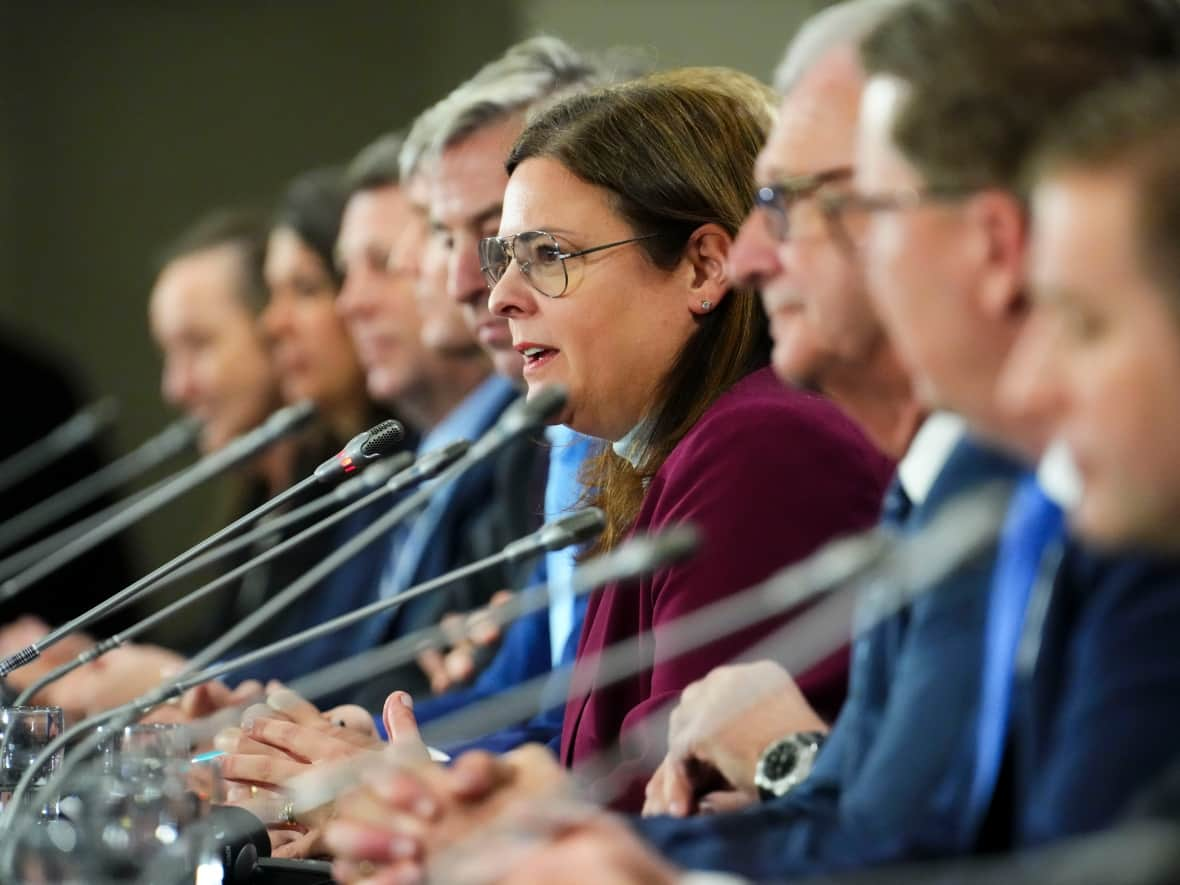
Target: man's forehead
x,y
816,125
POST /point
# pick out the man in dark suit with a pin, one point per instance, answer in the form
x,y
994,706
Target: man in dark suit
x,y
942,232
423,359
1106,173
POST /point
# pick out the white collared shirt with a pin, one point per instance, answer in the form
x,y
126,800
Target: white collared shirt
x,y
927,455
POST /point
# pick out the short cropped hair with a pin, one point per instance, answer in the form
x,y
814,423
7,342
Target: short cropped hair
x,y
376,165
243,229
1133,127
986,76
536,70
843,24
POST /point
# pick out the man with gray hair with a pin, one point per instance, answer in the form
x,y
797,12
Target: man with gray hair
x,y
458,147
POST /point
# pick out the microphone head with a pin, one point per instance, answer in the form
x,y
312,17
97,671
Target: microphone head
x,y
573,528
364,448
638,556
382,439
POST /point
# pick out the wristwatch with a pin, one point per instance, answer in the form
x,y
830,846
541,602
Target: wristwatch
x,y
786,763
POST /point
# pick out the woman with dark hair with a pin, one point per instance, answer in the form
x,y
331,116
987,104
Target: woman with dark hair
x,y
620,211
314,359
313,353
611,269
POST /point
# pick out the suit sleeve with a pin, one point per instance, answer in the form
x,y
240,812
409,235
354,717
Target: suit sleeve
x,y
844,815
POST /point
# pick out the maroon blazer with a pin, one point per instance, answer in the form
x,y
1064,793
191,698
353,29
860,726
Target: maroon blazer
x,y
768,474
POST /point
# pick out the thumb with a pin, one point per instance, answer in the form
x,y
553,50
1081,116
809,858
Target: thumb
x,y
398,716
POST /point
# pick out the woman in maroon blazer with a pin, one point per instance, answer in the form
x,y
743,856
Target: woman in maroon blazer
x,y
621,208
619,214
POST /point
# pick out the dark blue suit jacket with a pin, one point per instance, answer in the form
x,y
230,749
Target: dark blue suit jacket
x,y
1098,717
893,778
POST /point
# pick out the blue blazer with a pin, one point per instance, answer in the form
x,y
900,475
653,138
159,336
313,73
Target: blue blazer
x,y
893,777
1097,715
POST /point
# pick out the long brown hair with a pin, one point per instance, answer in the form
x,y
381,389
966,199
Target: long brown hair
x,y
675,151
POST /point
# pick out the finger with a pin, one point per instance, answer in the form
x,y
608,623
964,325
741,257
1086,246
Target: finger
x,y
259,711
400,724
301,742
246,692
350,840
678,789
295,708
653,793
233,741
406,791
308,845
460,663
725,801
203,699
265,771
477,774
454,627
367,873
434,666
482,628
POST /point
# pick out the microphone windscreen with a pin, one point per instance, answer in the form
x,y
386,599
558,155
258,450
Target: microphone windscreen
x,y
383,438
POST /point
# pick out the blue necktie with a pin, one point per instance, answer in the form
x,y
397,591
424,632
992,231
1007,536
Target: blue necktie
x,y
1033,526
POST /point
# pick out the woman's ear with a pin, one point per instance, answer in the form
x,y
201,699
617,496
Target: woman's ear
x,y
707,255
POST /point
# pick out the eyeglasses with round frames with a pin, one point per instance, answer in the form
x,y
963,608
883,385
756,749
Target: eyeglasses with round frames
x,y
539,257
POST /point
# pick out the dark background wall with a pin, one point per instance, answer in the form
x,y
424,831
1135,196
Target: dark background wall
x,y
121,121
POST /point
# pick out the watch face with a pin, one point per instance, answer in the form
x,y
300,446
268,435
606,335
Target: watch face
x,y
782,760
787,763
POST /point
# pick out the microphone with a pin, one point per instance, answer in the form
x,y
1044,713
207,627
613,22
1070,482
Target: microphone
x,y
520,417
635,557
78,430
910,564
565,531
516,419
362,450
402,479
575,528
171,441
118,517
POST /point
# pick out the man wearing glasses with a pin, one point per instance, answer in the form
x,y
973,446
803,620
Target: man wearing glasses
x,y
869,795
